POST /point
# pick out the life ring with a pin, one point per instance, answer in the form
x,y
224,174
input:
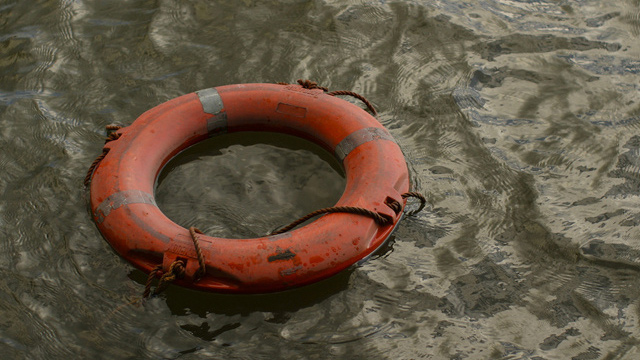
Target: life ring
x,y
125,212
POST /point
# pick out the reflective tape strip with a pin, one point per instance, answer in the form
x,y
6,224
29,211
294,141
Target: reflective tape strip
x,y
360,137
211,101
119,199
212,104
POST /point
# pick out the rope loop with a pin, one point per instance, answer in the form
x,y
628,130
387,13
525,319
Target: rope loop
x,y
417,195
111,132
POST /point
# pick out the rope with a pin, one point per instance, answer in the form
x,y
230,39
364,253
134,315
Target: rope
x,y
147,286
357,96
394,205
111,136
194,236
93,166
308,84
423,201
176,270
379,219
113,127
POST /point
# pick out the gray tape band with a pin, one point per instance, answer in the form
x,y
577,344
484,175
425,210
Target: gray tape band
x,y
119,199
212,104
211,101
360,137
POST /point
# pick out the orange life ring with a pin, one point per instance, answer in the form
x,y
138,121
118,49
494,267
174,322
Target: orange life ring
x,y
124,209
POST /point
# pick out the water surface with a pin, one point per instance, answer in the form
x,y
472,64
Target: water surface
x,y
519,120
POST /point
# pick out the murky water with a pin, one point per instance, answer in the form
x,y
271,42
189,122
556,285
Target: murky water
x,y
520,121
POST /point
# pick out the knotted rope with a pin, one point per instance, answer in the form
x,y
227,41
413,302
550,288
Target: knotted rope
x,y
176,269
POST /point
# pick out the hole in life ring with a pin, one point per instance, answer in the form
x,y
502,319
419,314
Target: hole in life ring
x,y
244,185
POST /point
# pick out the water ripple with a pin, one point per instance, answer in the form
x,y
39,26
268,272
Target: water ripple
x,y
518,120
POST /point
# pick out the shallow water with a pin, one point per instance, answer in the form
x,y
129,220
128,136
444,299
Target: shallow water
x,y
519,120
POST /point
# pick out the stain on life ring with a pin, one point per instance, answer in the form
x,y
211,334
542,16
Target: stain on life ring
x,y
125,211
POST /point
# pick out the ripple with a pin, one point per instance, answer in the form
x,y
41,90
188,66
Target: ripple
x,y
517,118
632,18
519,43
246,191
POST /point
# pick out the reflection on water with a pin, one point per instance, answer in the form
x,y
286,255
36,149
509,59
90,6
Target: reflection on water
x,y
519,121
245,185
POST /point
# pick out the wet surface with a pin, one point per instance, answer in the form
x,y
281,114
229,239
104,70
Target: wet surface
x,y
519,121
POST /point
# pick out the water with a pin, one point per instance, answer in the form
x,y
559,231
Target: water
x,y
243,185
519,121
